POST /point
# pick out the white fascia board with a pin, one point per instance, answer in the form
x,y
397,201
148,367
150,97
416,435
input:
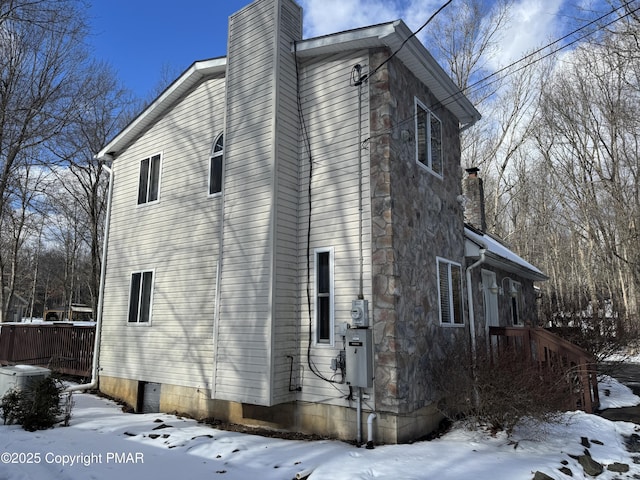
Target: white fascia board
x,y
413,54
366,37
500,256
160,105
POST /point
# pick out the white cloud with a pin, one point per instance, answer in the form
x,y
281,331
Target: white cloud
x,y
322,17
532,24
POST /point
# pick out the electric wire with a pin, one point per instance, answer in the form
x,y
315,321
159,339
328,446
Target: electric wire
x,y
307,143
508,69
375,70
318,158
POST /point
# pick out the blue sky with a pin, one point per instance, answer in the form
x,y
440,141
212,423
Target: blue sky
x,y
141,38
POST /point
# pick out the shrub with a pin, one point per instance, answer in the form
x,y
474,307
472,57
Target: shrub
x,y
37,406
501,391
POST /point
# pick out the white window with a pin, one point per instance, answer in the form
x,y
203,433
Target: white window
x,y
140,297
149,183
428,140
215,166
515,294
324,298
450,292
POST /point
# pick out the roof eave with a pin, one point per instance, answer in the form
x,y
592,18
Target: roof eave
x,y
473,244
515,268
413,54
149,115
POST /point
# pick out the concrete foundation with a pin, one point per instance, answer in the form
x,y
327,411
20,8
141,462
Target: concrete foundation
x,y
331,421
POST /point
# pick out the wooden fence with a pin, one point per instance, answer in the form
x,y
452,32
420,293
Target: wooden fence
x,y
64,348
549,350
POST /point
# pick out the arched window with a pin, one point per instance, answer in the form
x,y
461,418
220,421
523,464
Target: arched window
x,y
215,166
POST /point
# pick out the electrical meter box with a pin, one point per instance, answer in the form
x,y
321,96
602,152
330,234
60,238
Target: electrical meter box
x,y
360,313
359,357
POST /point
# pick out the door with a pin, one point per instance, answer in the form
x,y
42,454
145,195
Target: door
x,y
490,300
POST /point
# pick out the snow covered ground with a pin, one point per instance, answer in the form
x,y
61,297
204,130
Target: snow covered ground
x,y
103,443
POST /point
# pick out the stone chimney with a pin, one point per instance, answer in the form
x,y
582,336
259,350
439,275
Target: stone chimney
x,y
474,193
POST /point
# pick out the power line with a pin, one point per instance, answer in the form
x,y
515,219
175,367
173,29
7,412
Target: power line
x,y
469,88
366,76
319,159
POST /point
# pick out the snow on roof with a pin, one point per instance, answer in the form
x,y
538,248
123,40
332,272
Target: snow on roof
x,y
499,255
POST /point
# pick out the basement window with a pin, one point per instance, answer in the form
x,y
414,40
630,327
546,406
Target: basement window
x,y
324,298
140,297
428,140
450,292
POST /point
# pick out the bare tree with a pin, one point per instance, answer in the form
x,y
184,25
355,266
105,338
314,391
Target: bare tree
x,y
590,144
466,40
103,114
49,92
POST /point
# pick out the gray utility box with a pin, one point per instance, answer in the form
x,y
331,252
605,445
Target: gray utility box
x,y
359,357
19,376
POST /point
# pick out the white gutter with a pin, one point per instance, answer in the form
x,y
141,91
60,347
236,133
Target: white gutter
x,y
103,267
472,320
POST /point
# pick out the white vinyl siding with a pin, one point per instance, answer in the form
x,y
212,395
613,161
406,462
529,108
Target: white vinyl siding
x,y
179,239
256,329
286,296
330,106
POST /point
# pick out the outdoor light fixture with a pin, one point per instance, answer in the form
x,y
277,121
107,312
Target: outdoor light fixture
x,y
499,289
513,291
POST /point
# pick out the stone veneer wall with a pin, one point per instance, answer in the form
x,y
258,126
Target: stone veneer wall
x,y
415,218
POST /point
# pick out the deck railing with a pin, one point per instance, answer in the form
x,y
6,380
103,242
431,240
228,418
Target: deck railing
x,y
64,348
550,350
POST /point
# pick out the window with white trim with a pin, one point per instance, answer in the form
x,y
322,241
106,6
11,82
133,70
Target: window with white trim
x,y
515,294
149,183
450,292
428,139
215,166
140,297
324,297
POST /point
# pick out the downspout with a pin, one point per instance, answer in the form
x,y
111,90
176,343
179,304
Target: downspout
x,y
103,268
472,320
370,419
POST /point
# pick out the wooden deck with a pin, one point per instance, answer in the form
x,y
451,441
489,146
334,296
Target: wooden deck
x,y
550,350
63,347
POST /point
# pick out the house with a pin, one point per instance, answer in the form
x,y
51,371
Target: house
x,y
286,244
505,289
17,308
